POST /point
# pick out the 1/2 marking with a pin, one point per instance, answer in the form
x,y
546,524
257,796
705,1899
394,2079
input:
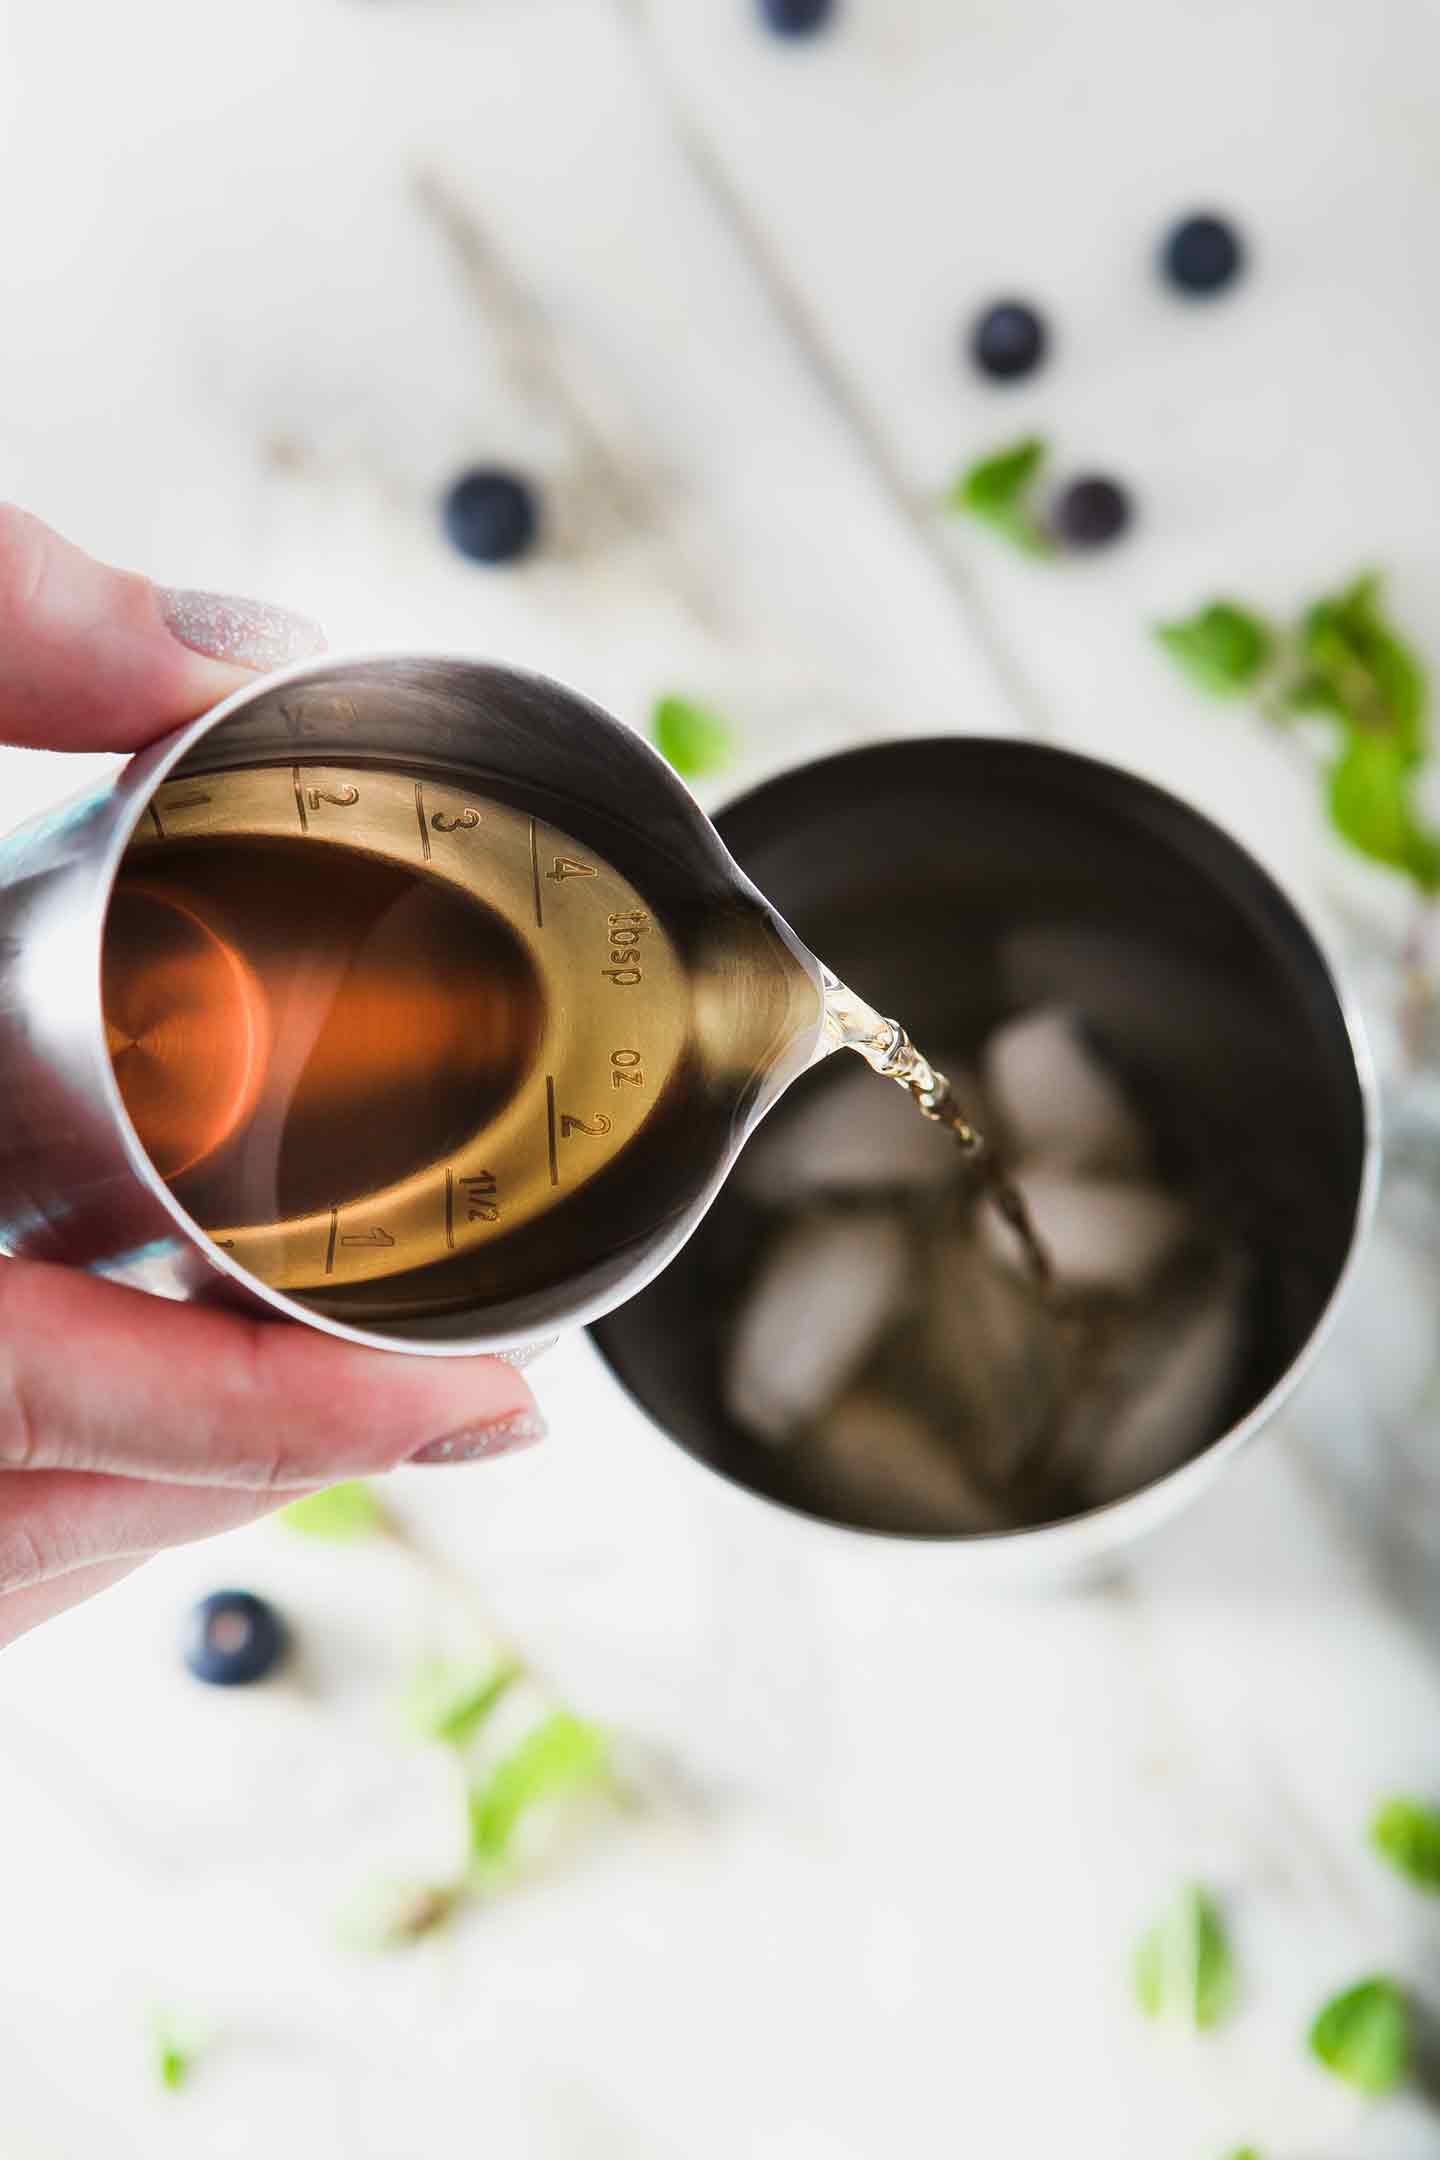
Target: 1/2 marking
x,y
482,1197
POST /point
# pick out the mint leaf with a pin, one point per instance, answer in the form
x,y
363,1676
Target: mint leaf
x,y
1407,1834
175,2051
1183,1965
560,1755
1244,2152
173,2065
1356,667
343,1513
1363,2035
1370,797
695,740
999,491
1222,647
393,1913
450,1701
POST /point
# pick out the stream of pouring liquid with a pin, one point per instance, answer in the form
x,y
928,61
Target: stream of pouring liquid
x,y
851,1024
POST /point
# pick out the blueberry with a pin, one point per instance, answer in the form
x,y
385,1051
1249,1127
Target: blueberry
x,y
490,515
1091,512
1202,254
796,18
1008,340
233,1637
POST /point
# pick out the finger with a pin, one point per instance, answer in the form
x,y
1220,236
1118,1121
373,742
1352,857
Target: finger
x,y
55,1521
27,1608
98,659
94,1376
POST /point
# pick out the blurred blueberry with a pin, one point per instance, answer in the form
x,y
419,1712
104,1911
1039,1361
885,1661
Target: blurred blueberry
x,y
1008,340
233,1637
796,18
1091,512
1202,254
490,515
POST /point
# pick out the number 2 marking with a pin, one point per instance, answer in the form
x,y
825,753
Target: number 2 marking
x,y
344,798
571,1125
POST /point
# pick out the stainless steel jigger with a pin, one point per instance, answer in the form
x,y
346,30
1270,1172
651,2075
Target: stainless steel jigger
x,y
77,1185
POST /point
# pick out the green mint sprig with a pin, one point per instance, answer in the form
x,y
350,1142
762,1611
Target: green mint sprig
x,y
1347,664
176,2046
1000,490
1184,1968
558,1759
1223,647
450,1699
694,739
1406,1832
1362,2035
342,1514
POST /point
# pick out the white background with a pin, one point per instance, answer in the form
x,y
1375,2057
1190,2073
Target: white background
x,y
271,274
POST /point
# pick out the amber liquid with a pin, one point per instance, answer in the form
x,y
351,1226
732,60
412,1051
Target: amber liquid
x,y
292,1027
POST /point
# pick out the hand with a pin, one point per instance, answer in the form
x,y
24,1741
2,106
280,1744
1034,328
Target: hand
x,y
128,1423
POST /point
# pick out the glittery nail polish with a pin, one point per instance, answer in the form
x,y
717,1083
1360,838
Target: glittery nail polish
x,y
477,1443
527,1353
244,633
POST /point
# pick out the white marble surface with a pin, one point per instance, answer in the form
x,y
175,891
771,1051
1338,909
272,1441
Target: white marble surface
x,y
271,273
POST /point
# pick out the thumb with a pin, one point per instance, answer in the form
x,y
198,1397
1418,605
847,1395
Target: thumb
x,y
98,659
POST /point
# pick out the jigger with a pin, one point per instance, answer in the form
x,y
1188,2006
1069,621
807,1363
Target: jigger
x,y
654,1002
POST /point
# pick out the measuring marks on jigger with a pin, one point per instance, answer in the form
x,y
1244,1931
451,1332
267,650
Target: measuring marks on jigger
x,y
612,997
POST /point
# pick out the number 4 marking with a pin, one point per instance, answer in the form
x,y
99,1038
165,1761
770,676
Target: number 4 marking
x,y
565,867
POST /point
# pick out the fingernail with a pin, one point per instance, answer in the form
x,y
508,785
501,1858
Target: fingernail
x,y
527,1353
477,1443
246,633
